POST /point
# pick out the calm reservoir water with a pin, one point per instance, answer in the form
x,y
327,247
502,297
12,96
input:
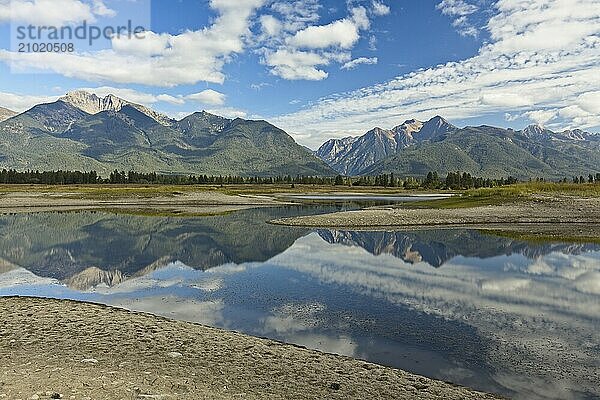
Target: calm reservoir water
x,y
497,314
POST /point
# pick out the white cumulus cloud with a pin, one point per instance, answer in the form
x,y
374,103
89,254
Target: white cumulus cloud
x,y
380,8
208,96
360,61
456,7
21,102
343,33
281,28
296,65
303,54
159,59
460,10
52,12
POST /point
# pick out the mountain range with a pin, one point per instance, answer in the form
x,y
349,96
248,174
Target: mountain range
x,y
414,148
81,131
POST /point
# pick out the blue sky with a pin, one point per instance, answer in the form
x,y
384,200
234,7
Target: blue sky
x,y
324,68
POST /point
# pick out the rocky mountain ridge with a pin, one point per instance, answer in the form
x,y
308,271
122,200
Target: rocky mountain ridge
x,y
92,104
82,131
352,155
415,148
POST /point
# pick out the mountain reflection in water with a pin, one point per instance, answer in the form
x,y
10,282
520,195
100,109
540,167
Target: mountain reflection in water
x,y
493,313
437,247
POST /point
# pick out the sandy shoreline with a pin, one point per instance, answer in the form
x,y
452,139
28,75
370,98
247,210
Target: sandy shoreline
x,y
186,203
555,216
87,351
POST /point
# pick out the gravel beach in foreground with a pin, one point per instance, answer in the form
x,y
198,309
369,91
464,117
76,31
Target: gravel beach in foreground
x,y
71,350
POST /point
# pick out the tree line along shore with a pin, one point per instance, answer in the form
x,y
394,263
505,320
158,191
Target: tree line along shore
x,y
452,181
